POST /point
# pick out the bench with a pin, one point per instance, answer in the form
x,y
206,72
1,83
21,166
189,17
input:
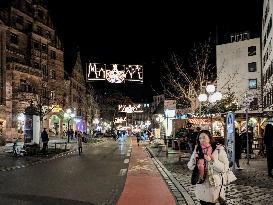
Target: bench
x,y
60,143
57,142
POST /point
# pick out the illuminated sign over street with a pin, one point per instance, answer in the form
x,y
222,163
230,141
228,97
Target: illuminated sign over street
x,y
130,108
114,73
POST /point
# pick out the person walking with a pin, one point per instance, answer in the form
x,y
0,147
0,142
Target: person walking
x,y
79,142
207,153
45,140
191,138
238,148
138,138
268,141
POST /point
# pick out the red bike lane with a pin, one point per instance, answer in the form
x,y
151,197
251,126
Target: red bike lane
x,y
144,184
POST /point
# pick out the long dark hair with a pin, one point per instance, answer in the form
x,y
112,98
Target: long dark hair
x,y
199,148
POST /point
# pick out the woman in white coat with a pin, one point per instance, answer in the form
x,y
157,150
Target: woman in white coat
x,y
207,154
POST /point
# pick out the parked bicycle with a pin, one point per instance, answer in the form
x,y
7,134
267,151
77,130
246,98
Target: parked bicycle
x,y
18,150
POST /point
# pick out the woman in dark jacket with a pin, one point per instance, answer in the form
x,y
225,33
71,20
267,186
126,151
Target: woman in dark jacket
x,y
268,141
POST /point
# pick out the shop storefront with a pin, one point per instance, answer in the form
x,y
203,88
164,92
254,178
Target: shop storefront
x,y
255,129
54,125
80,125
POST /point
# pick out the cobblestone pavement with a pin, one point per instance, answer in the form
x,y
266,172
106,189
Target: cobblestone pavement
x,y
253,186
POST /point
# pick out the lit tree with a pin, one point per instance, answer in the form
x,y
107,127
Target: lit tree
x,y
185,83
109,105
227,103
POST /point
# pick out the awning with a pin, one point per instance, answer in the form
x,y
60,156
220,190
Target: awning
x,y
197,121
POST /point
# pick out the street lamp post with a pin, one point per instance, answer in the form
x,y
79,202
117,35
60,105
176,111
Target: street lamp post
x,y
212,97
248,99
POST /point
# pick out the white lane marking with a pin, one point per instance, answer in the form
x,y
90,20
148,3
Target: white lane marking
x,y
126,161
122,172
128,155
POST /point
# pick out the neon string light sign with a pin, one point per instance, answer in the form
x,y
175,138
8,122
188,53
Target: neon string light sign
x,y
114,73
130,108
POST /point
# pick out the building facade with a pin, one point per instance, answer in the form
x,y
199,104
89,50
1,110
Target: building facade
x,y
32,62
32,70
267,56
239,70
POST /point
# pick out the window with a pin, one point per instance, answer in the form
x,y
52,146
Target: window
x,y
29,26
44,47
40,14
23,85
20,20
45,70
44,92
53,74
252,83
252,67
252,51
53,55
254,104
39,30
36,65
48,34
28,7
52,95
36,45
14,38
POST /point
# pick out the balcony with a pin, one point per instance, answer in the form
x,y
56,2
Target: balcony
x,y
24,69
24,95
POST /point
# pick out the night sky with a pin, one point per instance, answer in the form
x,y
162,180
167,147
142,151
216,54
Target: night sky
x,y
147,32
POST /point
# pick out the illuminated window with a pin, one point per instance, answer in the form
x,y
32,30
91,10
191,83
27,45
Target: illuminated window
x,y
252,83
52,95
44,48
14,38
53,74
36,65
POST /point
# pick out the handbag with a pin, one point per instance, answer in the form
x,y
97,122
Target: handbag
x,y
228,177
195,175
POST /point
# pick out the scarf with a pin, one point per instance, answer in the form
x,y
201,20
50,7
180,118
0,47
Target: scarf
x,y
201,162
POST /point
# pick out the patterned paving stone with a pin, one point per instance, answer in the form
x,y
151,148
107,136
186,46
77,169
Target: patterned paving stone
x,y
253,186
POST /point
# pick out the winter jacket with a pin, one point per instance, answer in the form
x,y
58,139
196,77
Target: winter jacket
x,y
79,140
205,191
